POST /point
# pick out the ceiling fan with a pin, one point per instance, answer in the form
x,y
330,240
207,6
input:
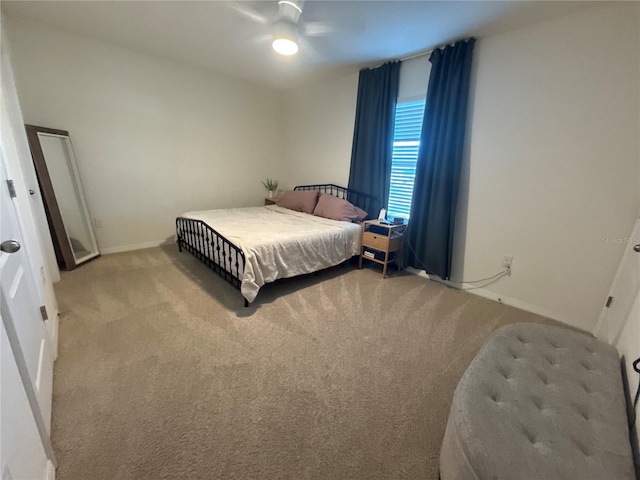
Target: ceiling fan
x,y
286,27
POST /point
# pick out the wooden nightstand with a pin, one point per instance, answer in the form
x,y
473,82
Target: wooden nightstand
x,y
270,201
382,244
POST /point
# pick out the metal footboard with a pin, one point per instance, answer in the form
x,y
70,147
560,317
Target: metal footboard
x,y
212,249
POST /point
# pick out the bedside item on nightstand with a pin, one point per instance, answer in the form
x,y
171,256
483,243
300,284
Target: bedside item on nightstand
x,y
382,244
272,187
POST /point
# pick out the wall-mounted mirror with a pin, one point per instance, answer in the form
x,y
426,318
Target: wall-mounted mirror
x,y
67,213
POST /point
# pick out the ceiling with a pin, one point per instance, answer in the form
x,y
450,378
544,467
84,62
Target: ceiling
x,y
214,36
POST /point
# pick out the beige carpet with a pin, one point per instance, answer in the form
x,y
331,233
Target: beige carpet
x,y
163,373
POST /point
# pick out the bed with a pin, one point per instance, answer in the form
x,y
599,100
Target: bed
x,y
249,247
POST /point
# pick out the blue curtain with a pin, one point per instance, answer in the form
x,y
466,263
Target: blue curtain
x,y
372,148
437,179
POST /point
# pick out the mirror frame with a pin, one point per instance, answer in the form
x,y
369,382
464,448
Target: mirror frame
x,y
61,241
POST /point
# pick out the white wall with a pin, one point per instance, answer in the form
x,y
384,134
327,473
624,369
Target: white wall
x,y
414,78
318,131
153,139
555,160
553,157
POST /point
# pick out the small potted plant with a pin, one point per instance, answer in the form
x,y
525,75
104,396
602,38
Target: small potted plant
x,y
271,186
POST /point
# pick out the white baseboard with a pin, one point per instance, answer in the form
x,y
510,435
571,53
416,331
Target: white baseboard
x,y
481,292
137,246
51,471
53,324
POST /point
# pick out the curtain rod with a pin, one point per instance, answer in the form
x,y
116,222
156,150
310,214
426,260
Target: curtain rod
x,y
427,52
403,59
417,55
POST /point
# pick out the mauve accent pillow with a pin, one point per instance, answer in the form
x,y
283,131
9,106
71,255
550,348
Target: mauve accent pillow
x,y
299,200
361,214
336,208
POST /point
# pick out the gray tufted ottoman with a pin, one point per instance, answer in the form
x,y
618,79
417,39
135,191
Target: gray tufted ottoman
x,y
539,402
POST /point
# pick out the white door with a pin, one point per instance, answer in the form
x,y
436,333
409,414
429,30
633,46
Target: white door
x,y
18,286
624,291
619,323
25,334
22,454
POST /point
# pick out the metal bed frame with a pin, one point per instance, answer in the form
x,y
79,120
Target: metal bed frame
x,y
221,256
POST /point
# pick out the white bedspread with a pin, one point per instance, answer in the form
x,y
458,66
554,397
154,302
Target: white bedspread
x,y
281,243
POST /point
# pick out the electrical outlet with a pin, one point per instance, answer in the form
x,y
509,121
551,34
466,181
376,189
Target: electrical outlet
x,y
97,223
506,262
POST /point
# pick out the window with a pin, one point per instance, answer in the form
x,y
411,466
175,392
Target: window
x,y
406,141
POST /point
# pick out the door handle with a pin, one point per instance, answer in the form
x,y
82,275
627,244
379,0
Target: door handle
x,y
636,248
31,192
10,246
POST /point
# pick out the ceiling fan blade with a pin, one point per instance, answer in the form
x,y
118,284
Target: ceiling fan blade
x,y
250,13
257,40
309,53
317,29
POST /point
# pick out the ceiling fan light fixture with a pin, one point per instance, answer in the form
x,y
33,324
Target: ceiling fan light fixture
x,y
285,46
285,38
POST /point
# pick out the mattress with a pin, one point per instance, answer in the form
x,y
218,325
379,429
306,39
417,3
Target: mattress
x,y
281,243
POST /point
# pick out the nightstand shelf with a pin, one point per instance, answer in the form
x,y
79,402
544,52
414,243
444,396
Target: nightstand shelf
x,y
382,244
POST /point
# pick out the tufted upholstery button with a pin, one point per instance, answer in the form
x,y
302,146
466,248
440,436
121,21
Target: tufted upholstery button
x,y
549,360
586,366
529,436
585,451
583,412
543,378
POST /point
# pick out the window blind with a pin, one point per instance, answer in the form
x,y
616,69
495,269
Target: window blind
x,y
406,141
